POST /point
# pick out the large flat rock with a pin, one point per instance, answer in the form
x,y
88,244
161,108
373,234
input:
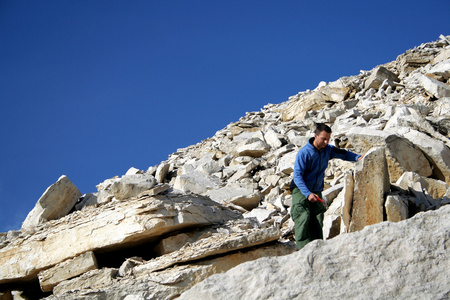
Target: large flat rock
x,y
115,224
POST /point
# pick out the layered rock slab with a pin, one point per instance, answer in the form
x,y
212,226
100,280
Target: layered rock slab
x,y
116,224
68,269
404,260
165,284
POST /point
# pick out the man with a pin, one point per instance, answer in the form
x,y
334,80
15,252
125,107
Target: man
x,y
309,172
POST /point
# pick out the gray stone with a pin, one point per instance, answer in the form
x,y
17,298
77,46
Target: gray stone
x,y
441,69
331,193
196,182
132,185
333,218
369,264
133,171
336,91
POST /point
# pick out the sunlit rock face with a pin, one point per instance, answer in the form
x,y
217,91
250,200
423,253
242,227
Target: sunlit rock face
x,y
218,206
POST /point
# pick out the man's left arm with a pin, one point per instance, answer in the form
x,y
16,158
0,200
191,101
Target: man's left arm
x,y
344,154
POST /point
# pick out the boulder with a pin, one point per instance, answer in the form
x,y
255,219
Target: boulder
x,y
260,214
413,60
196,182
245,197
253,147
436,188
334,92
442,107
378,76
271,138
436,151
387,260
161,172
434,87
401,153
331,193
371,184
55,202
441,69
243,171
286,163
125,187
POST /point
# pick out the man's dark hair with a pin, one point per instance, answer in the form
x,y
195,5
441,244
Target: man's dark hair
x,y
322,127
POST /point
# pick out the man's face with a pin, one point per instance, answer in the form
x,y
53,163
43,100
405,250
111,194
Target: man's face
x,y
321,140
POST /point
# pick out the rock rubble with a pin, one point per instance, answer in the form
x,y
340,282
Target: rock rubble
x,y
225,201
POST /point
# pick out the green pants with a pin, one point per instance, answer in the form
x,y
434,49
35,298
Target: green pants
x,y
308,218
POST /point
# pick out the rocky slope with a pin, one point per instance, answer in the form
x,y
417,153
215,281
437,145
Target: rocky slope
x,y
224,203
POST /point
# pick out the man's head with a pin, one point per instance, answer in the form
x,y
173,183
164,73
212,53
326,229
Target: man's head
x,y
322,136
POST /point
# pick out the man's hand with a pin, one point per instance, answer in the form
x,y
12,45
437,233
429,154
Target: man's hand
x,y
313,197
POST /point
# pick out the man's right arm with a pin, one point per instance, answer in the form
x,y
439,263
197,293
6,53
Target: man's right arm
x,y
299,171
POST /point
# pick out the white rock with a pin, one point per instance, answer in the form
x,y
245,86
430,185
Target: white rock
x,y
286,163
271,137
378,76
396,208
437,151
133,171
260,214
434,87
55,202
196,182
242,196
253,147
161,172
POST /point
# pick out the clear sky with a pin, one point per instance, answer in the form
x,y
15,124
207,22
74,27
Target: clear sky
x,y
91,88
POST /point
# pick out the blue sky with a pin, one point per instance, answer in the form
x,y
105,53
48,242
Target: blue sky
x,y
91,88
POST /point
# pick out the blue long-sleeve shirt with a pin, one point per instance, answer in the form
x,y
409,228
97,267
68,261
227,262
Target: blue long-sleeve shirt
x,y
310,166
